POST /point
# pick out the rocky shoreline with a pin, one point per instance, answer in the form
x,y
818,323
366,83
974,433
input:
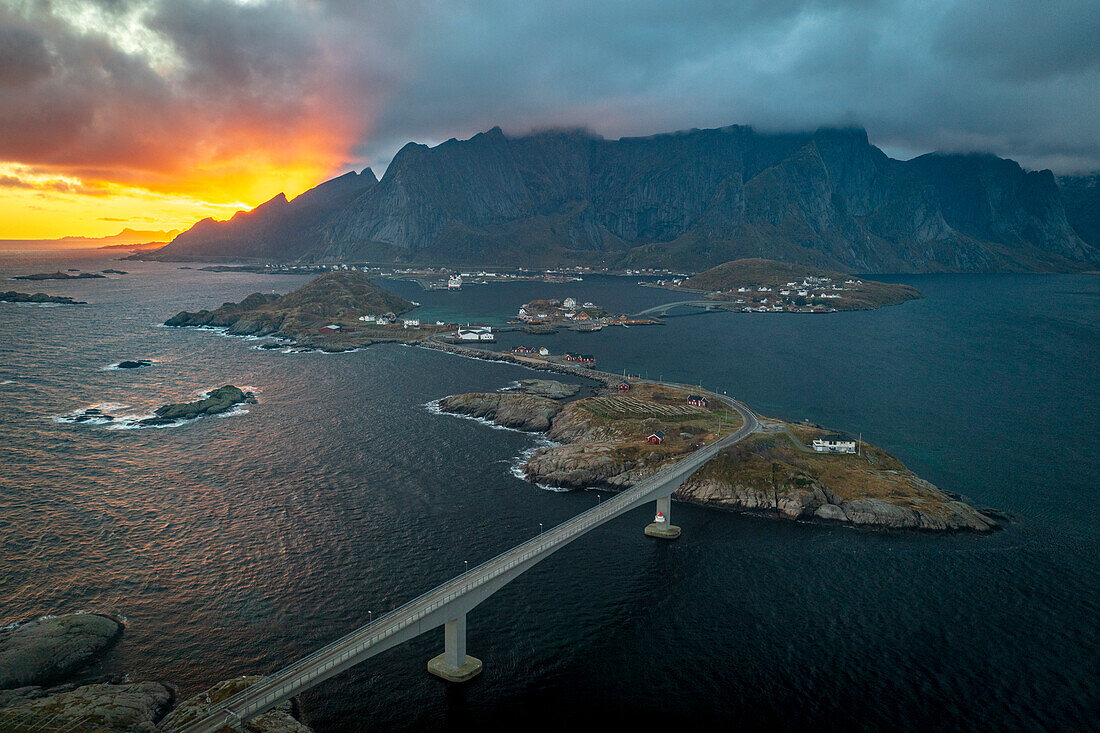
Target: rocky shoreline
x,y
48,649
600,444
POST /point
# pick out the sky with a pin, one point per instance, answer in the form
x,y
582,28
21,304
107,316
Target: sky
x,y
154,113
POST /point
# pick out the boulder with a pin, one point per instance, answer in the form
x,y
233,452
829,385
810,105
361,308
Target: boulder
x,y
830,512
47,649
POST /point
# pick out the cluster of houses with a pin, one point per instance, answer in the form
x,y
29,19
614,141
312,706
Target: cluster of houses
x,y
793,296
390,319
586,359
524,351
550,311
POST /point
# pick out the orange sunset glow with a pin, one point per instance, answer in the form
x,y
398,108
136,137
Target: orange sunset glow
x,y
137,119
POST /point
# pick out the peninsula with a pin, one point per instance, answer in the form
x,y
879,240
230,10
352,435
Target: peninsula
x,y
635,429
761,285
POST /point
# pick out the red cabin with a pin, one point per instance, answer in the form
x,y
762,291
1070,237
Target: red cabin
x,y
623,386
656,438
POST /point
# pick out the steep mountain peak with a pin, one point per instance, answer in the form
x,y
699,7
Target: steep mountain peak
x,y
687,200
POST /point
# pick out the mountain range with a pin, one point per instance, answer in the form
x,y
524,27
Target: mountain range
x,y
686,200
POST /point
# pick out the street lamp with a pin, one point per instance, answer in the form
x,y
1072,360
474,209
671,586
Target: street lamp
x,y
540,529
370,617
467,564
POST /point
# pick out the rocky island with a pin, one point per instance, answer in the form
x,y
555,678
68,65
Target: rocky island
x,y
217,401
214,402
59,276
325,312
11,296
761,285
616,439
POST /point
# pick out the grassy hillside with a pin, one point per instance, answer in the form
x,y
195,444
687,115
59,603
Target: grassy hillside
x,y
755,272
341,294
336,297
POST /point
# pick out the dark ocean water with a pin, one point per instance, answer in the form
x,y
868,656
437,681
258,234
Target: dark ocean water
x,y
233,544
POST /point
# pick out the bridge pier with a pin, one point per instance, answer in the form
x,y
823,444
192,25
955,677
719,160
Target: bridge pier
x,y
665,530
454,665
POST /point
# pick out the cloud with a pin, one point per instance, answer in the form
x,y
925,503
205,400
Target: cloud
x,y
234,101
14,182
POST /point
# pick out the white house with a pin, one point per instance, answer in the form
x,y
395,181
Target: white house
x,y
569,304
368,319
476,333
543,351
410,322
834,444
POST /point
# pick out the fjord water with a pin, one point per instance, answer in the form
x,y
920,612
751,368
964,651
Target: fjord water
x,y
233,545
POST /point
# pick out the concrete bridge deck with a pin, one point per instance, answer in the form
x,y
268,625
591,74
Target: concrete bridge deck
x,y
447,604
707,305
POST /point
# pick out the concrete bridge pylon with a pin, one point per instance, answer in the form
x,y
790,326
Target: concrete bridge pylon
x,y
454,664
662,526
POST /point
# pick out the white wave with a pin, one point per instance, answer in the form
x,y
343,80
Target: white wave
x,y
8,381
133,422
521,460
516,464
434,408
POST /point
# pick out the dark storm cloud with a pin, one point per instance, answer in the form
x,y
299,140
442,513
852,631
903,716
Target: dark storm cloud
x,y
1013,77
356,80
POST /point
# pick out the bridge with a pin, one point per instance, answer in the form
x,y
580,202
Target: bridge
x,y
447,604
707,305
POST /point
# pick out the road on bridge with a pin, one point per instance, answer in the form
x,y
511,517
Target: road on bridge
x,y
460,594
697,303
